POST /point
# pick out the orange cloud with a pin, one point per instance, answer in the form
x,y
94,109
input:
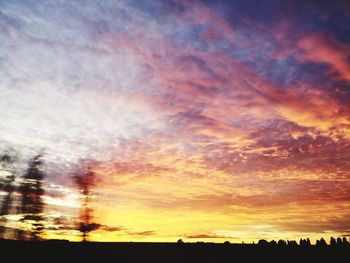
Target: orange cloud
x,y
323,49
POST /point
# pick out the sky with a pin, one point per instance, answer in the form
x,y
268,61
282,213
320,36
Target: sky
x,y
202,120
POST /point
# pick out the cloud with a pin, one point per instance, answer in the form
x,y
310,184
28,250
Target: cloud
x,y
111,228
74,108
204,236
142,233
323,49
204,107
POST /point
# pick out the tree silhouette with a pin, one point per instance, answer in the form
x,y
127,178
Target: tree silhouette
x,y
333,242
85,179
8,176
292,243
180,241
308,243
263,243
321,242
282,242
31,199
339,241
273,243
305,242
345,242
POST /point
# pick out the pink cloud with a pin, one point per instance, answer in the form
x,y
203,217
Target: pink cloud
x,y
325,49
216,26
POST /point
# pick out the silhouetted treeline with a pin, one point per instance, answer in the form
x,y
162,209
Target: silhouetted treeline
x,y
339,242
343,242
172,252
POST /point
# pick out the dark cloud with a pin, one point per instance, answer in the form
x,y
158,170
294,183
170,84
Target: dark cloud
x,y
112,228
142,233
65,223
336,224
201,236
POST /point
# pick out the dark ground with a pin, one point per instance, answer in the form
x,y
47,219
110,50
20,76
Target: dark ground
x,y
53,251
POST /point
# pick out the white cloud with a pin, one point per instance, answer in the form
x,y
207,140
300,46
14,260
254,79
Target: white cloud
x,y
61,91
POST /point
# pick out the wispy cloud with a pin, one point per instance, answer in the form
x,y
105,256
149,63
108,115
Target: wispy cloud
x,y
227,109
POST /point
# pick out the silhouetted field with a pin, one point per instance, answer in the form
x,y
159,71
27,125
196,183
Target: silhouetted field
x,y
166,252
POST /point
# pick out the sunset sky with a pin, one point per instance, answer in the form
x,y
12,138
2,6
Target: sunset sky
x,y
202,120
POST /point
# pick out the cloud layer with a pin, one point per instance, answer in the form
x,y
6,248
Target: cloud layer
x,y
232,117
